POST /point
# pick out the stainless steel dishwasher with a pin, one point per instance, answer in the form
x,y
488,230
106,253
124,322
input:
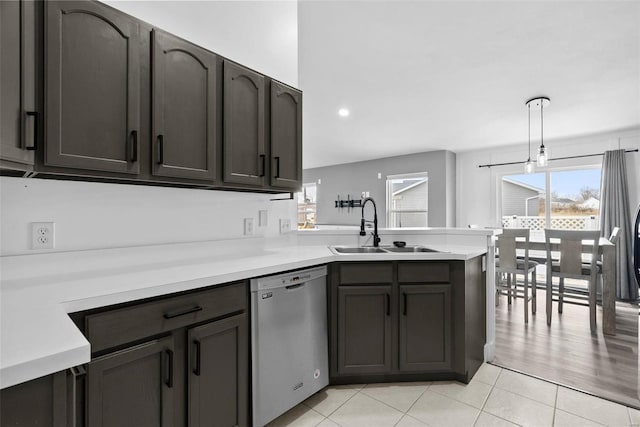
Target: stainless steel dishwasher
x,y
289,340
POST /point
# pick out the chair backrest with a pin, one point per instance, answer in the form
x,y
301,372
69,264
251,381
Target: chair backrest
x,y
613,238
571,249
507,247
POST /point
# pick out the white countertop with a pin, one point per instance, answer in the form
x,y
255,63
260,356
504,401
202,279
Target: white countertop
x,y
38,338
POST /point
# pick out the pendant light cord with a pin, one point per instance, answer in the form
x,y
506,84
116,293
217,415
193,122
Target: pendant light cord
x,y
529,152
541,123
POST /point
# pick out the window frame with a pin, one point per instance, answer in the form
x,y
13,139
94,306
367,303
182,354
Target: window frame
x,y
389,201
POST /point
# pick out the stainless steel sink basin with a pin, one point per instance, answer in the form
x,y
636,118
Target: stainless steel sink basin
x,y
406,249
358,250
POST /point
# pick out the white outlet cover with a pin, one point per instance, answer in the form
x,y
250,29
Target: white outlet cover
x,y
43,235
285,225
263,217
248,226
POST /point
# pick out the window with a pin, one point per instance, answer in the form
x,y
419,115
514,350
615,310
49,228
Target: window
x,y
407,200
307,206
564,198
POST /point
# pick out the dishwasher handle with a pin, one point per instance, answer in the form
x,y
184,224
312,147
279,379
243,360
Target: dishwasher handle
x,y
296,286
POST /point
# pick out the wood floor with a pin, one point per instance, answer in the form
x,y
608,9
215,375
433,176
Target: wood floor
x,y
566,353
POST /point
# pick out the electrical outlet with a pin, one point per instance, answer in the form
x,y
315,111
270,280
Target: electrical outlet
x,y
262,218
43,235
248,226
285,225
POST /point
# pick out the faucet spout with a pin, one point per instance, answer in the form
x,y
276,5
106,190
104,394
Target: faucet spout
x,y
376,237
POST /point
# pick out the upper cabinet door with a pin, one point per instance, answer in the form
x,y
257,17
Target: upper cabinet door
x,y
92,87
184,109
18,117
286,137
244,132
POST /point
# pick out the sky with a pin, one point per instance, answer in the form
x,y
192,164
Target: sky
x,y
565,183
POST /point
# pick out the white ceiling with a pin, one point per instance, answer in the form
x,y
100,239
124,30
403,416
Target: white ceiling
x,y
428,75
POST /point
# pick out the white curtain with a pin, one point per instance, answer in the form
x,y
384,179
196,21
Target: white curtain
x,y
615,212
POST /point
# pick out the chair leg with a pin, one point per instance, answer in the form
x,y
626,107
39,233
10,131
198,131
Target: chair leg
x,y
526,297
560,294
592,306
549,296
509,288
498,281
534,299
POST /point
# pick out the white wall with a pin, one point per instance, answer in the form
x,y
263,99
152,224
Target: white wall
x,y
90,215
259,34
262,35
478,187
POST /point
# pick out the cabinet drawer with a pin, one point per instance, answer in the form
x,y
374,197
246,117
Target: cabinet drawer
x,y
423,272
120,326
370,272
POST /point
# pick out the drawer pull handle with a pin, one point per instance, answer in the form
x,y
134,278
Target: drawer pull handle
x,y
169,381
34,144
182,312
263,169
196,370
134,146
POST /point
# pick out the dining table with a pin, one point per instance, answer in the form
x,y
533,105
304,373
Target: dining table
x,y
607,252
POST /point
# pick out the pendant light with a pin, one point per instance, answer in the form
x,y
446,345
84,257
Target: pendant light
x,y
528,165
540,102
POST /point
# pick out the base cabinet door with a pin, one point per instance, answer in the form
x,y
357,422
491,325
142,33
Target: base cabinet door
x,y
425,328
92,86
133,387
364,329
18,118
218,373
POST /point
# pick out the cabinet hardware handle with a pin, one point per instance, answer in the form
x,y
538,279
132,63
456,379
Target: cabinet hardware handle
x,y
388,304
134,146
277,159
33,114
404,303
196,370
182,312
264,165
160,149
169,381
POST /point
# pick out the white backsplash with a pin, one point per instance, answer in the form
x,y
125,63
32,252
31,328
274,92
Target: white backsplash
x,y
91,215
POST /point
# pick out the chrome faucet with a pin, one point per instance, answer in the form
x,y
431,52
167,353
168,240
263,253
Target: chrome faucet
x,y
376,238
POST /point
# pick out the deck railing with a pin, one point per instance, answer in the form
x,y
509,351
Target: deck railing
x,y
587,222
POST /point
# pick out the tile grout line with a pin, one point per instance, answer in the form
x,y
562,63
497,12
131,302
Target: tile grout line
x,y
493,387
555,406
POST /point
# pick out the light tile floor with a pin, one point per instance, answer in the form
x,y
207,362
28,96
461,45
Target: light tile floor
x,y
495,397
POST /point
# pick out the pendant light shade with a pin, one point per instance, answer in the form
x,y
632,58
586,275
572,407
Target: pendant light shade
x,y
528,167
539,103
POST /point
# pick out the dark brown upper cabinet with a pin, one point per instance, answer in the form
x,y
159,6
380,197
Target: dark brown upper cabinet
x,y
18,115
92,83
184,109
286,137
244,149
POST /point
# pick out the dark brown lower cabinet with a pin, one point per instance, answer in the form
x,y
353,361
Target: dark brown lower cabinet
x,y
364,336
218,378
425,328
406,320
133,387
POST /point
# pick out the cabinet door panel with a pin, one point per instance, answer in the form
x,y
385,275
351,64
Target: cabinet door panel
x,y
286,137
244,111
425,327
17,81
92,88
184,109
218,373
132,387
364,329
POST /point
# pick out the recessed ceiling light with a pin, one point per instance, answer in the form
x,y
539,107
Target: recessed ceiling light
x,y
343,112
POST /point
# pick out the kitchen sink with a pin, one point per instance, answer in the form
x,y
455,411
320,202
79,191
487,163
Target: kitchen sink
x,y
357,250
380,250
411,249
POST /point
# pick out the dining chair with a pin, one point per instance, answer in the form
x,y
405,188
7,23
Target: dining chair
x,y
509,264
570,265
